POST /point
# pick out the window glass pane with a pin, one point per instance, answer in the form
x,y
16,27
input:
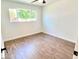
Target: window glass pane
x,y
22,15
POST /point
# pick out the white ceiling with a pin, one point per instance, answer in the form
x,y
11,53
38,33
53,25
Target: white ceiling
x,y
39,2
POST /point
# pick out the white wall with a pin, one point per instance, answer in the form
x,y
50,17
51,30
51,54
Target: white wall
x,y
13,30
60,19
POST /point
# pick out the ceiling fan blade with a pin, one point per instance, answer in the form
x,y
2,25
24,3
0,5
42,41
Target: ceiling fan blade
x,y
34,1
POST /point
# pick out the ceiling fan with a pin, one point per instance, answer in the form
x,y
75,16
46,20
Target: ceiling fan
x,y
37,0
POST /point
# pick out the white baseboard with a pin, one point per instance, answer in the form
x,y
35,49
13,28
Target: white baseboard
x,y
39,32
13,38
61,37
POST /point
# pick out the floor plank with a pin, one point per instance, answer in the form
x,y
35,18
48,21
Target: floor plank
x,y
39,46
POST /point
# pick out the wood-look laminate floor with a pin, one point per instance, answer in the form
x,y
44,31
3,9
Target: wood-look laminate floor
x,y
39,46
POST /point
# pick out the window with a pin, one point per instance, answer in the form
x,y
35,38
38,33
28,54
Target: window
x,y
22,15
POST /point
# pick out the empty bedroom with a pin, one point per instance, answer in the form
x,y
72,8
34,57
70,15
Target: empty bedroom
x,y
39,29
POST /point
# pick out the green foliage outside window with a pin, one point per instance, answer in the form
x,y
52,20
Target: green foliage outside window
x,y
22,15
25,14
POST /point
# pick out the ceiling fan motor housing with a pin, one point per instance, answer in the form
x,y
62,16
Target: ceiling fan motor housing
x,y
44,1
